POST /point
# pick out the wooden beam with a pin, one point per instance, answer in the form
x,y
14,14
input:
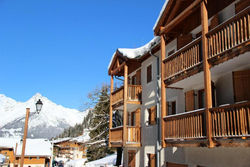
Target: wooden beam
x,y
25,136
163,91
118,69
110,107
175,9
125,93
14,161
182,16
207,75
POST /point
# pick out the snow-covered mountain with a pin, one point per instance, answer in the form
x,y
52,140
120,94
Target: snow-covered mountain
x,y
51,121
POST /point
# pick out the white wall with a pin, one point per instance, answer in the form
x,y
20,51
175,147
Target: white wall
x,y
218,157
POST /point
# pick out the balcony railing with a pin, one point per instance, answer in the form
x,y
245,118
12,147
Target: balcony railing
x,y
230,121
229,34
116,135
133,135
134,94
189,125
186,58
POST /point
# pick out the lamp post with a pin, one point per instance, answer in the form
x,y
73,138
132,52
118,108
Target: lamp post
x,y
39,105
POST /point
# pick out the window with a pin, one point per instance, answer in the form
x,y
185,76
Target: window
x,y
133,80
149,73
171,107
152,115
201,98
151,160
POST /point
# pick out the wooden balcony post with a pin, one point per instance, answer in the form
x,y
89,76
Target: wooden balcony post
x,y
207,75
110,107
125,94
163,91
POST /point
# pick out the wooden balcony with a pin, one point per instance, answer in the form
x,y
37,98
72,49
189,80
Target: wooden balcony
x,y
133,137
230,126
230,38
225,41
134,96
186,61
116,136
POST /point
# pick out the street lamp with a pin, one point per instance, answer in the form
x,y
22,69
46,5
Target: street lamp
x,y
39,105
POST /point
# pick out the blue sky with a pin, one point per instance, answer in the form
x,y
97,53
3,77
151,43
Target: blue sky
x,y
61,48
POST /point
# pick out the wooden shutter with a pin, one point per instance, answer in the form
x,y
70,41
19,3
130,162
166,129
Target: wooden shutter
x,y
151,160
152,115
138,117
189,100
239,6
183,40
241,81
138,77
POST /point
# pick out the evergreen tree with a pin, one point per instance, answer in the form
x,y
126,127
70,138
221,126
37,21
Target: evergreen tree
x,y
99,124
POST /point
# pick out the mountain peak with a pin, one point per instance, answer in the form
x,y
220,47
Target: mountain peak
x,y
37,95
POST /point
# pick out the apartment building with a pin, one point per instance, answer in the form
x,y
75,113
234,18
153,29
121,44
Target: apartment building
x,y
185,95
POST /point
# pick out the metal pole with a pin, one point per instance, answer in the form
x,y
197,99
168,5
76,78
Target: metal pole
x,y
25,135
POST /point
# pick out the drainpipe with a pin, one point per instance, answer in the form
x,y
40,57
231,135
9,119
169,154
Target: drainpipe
x,y
157,111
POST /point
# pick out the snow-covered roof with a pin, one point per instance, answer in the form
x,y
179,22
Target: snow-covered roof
x,y
160,15
8,142
83,138
136,52
109,160
34,147
59,140
80,139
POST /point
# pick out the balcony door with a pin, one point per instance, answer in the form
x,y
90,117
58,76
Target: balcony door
x,y
241,82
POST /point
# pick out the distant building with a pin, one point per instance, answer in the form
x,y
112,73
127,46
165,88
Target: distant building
x,y
38,152
71,148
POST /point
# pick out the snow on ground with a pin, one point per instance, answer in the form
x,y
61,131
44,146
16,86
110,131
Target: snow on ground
x,y
2,158
76,163
108,161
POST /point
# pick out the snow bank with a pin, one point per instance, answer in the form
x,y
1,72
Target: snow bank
x,y
76,163
108,161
